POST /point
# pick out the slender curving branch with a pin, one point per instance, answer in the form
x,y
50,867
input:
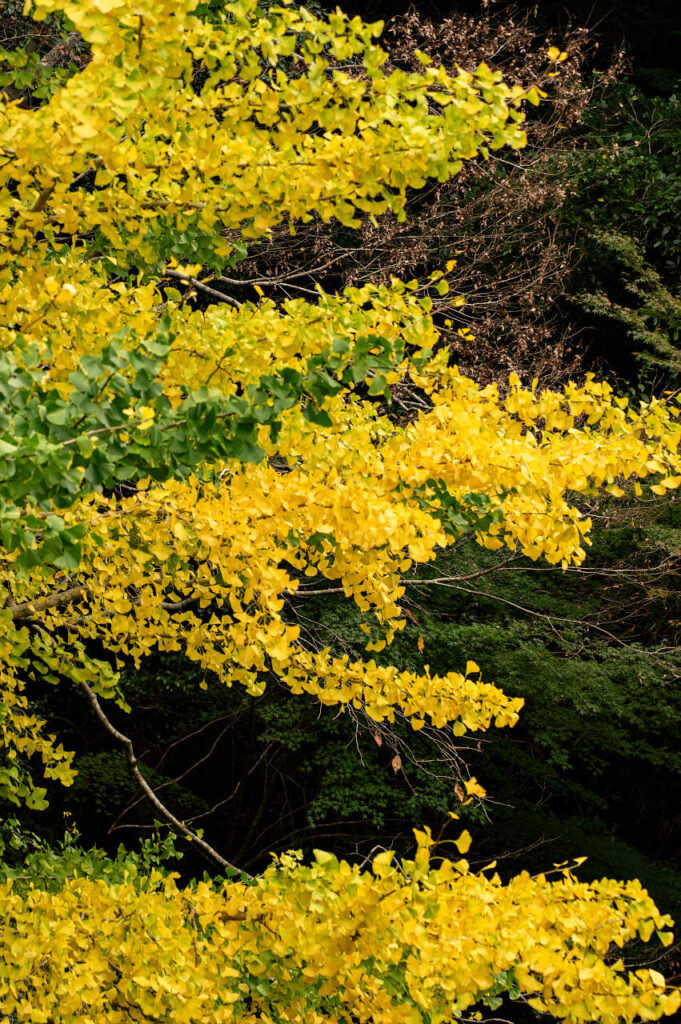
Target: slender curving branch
x,y
151,796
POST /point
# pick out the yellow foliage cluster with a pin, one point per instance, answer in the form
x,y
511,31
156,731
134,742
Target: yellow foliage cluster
x,y
283,127
402,942
206,567
278,129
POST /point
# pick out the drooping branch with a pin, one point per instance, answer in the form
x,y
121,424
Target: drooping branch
x,y
151,796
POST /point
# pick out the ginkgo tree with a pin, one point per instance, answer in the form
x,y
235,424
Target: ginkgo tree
x,y
173,472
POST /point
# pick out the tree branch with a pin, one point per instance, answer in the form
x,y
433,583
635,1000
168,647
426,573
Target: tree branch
x,y
27,610
203,287
168,815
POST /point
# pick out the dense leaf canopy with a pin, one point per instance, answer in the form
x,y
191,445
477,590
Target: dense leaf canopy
x,y
173,475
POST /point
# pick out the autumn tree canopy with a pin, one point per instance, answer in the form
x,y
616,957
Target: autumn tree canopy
x,y
175,468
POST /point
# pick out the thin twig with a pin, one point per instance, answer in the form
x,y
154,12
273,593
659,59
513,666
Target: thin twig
x,y
203,287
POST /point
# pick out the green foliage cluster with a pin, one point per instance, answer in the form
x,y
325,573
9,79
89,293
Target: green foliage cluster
x,y
629,171
37,61
30,860
114,426
650,312
624,208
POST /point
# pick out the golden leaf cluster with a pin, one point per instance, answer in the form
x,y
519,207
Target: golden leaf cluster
x,y
402,942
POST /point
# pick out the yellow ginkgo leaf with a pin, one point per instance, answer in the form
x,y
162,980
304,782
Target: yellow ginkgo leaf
x,y
463,842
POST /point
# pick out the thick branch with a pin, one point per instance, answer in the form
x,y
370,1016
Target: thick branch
x,y
178,825
27,610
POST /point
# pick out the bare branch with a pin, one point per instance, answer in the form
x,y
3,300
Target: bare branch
x,y
202,287
168,815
